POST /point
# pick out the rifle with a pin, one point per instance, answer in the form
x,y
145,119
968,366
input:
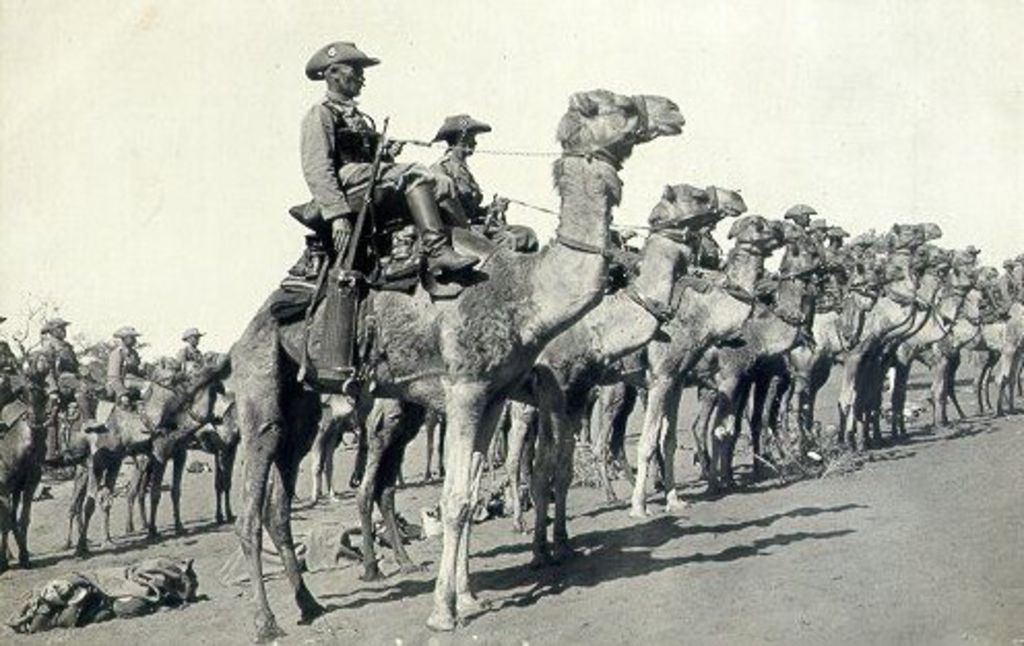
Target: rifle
x,y
341,300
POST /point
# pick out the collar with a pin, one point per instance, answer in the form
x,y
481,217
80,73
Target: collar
x,y
340,99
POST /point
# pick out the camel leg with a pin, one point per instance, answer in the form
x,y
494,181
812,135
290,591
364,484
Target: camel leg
x,y
317,457
412,419
360,466
260,446
428,426
654,424
522,416
278,523
177,471
25,517
81,481
218,483
667,445
762,388
156,479
226,461
381,428
472,417
466,601
609,401
566,445
7,521
949,381
898,399
739,389
701,427
544,465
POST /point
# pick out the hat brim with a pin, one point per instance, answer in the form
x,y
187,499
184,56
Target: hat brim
x,y
448,134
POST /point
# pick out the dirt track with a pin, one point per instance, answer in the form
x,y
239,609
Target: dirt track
x,y
922,545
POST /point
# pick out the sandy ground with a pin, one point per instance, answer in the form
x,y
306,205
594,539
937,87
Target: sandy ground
x,y
921,545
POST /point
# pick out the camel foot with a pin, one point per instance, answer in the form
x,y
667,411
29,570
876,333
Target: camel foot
x,y
24,562
371,574
564,551
180,530
219,518
412,568
443,622
82,551
673,502
638,511
152,535
467,604
267,630
609,496
309,608
518,526
4,566
541,559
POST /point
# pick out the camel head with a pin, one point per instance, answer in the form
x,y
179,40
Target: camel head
x,y
908,237
682,206
729,204
755,234
606,124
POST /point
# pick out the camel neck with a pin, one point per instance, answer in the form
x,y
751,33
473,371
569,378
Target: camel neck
x,y
661,263
588,188
744,267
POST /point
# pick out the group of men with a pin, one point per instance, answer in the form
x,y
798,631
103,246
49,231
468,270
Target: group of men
x,y
339,145
59,371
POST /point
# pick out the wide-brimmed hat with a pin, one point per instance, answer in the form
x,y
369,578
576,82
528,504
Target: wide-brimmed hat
x,y
836,232
126,331
339,52
53,324
458,125
190,332
800,213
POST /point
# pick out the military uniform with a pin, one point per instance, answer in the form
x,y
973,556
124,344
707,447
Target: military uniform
x,y
123,364
338,146
487,220
190,359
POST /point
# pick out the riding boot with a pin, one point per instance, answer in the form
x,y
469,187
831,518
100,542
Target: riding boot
x,y
436,246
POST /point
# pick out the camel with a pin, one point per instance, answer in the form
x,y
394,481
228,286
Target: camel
x,y
22,449
904,305
954,323
713,312
766,340
614,404
464,355
838,326
998,343
160,430
587,353
578,354
938,303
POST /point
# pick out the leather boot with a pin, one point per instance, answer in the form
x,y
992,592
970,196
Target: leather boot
x,y
441,258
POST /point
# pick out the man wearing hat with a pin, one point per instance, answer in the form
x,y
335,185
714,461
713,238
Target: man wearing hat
x,y
63,360
800,214
124,367
459,132
189,357
339,143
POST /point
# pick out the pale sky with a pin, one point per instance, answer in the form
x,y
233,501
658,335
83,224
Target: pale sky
x,y
149,150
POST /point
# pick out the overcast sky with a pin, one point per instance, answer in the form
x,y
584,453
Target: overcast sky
x,y
149,151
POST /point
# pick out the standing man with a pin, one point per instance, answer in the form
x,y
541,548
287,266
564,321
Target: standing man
x,y
460,132
339,143
189,357
62,363
124,368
